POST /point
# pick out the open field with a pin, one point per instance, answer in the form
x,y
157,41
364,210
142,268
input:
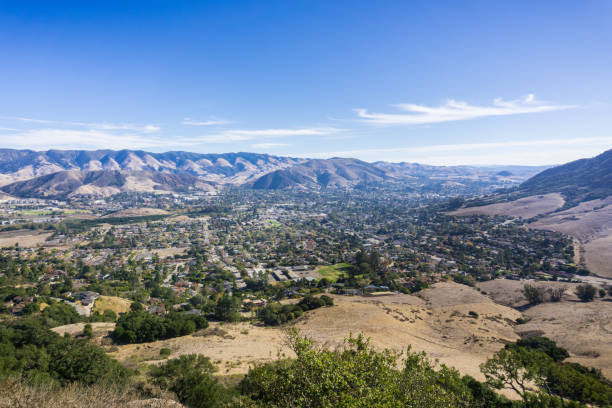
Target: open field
x,y
137,212
114,303
99,328
333,272
25,238
584,329
525,207
598,256
163,253
591,224
437,323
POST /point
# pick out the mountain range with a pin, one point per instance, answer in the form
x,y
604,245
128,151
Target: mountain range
x,y
66,173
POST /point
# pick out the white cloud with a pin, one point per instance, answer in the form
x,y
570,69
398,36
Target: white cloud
x,y
41,139
91,125
456,110
529,152
210,122
240,135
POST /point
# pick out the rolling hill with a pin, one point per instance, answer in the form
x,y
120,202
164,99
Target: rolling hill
x,y
578,181
332,173
103,183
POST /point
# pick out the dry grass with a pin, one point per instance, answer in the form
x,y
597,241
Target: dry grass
x,y
16,394
584,329
525,207
114,303
137,212
100,329
25,238
438,323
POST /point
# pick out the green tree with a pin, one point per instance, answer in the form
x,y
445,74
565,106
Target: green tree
x,y
517,368
88,331
353,376
586,292
227,309
190,378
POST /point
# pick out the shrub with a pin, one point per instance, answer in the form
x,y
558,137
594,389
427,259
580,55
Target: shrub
x,y
276,314
88,331
586,292
533,294
355,375
544,345
556,294
190,378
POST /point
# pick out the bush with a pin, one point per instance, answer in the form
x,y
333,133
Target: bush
x,y
276,314
353,376
544,345
190,378
165,352
556,294
586,292
88,331
533,294
30,350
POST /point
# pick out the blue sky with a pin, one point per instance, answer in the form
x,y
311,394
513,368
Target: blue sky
x,y
440,82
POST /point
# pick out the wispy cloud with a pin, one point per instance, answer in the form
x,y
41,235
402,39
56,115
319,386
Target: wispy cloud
x,y
209,122
454,110
41,139
148,128
239,135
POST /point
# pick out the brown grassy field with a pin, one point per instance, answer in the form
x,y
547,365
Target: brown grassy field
x,y
437,322
114,303
137,212
584,329
25,238
100,329
591,224
525,207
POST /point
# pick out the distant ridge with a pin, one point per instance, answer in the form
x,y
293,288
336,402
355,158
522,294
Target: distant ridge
x,y
68,173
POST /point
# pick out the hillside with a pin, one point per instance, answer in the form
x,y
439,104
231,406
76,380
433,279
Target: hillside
x,y
235,168
580,180
102,183
334,172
